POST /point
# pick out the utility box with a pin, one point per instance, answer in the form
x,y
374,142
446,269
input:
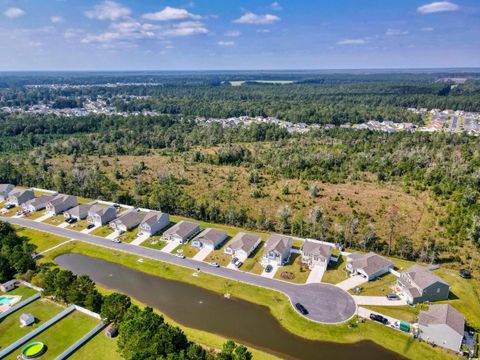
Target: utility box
x,y
404,326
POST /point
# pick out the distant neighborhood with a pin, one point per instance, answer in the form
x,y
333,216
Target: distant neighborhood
x,y
275,256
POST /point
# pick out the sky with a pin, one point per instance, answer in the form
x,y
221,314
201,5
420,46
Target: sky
x,y
234,35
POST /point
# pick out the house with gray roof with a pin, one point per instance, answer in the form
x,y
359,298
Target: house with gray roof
x,y
370,265
442,325
19,196
79,212
5,190
182,231
242,245
37,204
154,222
61,203
277,250
127,221
418,284
316,254
100,215
209,239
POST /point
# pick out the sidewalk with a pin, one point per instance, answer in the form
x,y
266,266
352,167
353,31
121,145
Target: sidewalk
x,y
378,301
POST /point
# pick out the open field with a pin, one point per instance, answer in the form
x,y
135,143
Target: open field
x,y
278,303
62,334
43,240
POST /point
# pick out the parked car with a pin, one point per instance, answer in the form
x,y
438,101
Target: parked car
x,y
237,263
116,241
9,206
116,206
466,274
18,213
71,220
268,268
379,318
181,256
301,309
90,226
393,297
214,264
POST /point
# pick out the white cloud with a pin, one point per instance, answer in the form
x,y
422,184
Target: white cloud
x,y
186,28
13,12
171,13
352,42
263,31
108,10
427,29
233,33
57,19
226,43
276,6
438,6
395,32
251,18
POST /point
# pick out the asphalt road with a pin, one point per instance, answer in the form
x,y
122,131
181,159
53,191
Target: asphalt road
x,y
326,303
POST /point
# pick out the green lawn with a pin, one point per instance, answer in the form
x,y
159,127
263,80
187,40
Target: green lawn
x,y
186,249
78,226
55,220
41,239
82,200
102,231
296,267
219,257
99,344
378,287
253,263
12,211
63,334
35,215
10,329
21,290
406,313
129,236
336,272
155,243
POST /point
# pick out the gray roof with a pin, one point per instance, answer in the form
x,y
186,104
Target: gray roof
x,y
314,248
182,229
60,199
9,282
5,187
243,241
27,316
443,314
80,210
100,210
130,218
19,192
41,200
279,243
211,236
422,277
370,263
152,217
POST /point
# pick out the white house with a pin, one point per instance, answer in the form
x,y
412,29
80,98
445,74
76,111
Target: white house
x,y
61,203
101,215
370,265
127,221
154,222
277,250
182,231
209,239
19,197
442,325
8,286
37,204
316,254
242,245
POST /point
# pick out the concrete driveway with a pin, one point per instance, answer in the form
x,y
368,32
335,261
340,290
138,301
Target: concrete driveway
x,y
170,247
272,273
351,282
316,274
378,301
43,218
202,254
140,239
326,303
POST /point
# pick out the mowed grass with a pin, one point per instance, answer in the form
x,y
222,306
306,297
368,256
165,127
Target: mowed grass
x,y
21,290
55,220
219,257
35,215
99,344
78,226
129,236
278,304
186,249
336,272
378,287
62,334
295,267
253,262
406,313
102,231
42,240
154,242
10,330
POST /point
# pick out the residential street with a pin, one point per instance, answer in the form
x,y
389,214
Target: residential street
x,y
326,303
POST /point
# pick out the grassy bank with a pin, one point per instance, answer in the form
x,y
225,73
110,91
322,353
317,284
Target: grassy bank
x,y
278,304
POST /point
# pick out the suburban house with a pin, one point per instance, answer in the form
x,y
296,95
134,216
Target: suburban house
x,y
127,221
242,245
100,215
418,284
37,204
8,286
79,212
442,325
182,231
19,197
154,222
210,239
26,319
370,265
315,253
5,190
277,250
61,203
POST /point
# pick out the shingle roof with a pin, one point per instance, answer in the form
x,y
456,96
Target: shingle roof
x,y
443,314
152,217
211,236
4,187
423,277
99,209
243,241
278,242
313,248
60,198
41,200
370,263
80,210
182,229
130,219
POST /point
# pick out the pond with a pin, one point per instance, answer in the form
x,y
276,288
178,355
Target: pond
x,y
192,306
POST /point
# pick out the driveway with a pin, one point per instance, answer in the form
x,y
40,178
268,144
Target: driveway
x,y
88,231
140,239
326,303
271,274
378,301
351,282
170,247
365,313
43,218
316,274
202,254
